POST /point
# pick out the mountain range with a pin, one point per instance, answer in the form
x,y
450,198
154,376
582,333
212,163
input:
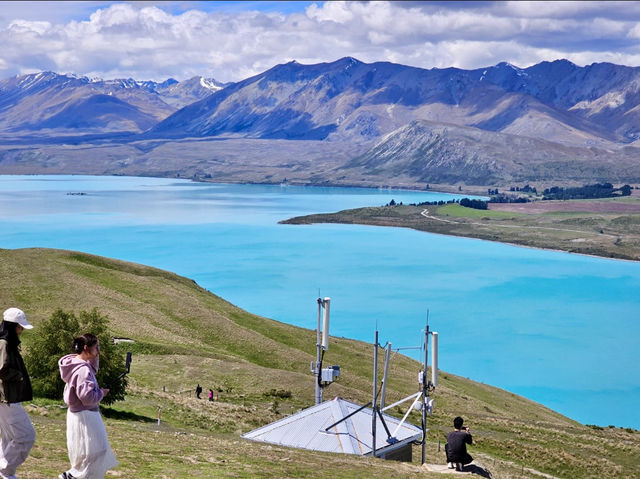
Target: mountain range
x,y
550,122
68,104
348,99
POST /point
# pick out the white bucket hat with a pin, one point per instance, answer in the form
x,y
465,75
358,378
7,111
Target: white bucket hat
x,y
15,315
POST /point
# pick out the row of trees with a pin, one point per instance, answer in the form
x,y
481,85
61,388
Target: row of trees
x,y
475,204
525,189
434,203
598,190
53,340
509,199
604,190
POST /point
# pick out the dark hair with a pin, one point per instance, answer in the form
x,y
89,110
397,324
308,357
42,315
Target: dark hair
x,y
9,334
457,422
85,340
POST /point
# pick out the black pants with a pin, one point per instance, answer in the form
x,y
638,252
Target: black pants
x,y
464,457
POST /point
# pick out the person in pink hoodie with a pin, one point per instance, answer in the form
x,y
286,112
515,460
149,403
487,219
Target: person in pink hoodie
x,y
87,444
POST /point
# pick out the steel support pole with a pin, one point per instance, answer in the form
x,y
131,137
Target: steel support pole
x,y
425,383
318,352
383,394
375,393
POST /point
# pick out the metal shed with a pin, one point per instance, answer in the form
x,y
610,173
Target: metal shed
x,y
307,430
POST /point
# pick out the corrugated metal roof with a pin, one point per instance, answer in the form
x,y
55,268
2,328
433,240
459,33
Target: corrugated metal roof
x,y
306,430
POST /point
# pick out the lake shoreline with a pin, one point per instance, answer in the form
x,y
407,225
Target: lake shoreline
x,y
519,245
487,230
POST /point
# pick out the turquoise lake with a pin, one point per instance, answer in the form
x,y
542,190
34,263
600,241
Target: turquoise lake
x,y
560,329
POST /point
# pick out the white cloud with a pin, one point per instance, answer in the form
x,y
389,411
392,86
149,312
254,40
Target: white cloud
x,y
21,27
629,11
149,40
634,32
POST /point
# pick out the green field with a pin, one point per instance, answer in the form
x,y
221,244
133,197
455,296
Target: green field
x,y
462,212
186,335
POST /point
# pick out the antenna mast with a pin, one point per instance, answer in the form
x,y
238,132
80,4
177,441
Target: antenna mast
x,y
326,375
425,390
427,404
375,393
319,352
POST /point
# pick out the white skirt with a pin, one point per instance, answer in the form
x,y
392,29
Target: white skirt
x,y
89,451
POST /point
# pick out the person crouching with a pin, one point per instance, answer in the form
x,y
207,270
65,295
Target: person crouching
x,y
88,447
456,446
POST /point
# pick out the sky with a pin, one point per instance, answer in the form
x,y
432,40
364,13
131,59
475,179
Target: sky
x,y
231,41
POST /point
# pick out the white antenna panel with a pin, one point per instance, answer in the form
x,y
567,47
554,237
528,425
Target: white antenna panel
x,y
434,359
325,324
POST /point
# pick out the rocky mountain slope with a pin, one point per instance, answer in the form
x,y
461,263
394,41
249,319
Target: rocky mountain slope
x,y
67,104
349,100
444,153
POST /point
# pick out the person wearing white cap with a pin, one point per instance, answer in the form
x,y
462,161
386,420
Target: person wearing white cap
x,y
17,431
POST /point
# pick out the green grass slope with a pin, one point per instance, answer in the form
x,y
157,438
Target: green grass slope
x,y
259,369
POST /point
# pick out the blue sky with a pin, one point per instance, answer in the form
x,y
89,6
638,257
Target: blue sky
x,y
65,11
230,41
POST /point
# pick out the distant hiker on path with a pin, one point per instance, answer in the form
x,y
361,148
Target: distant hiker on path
x,y
198,391
456,447
210,394
87,444
17,431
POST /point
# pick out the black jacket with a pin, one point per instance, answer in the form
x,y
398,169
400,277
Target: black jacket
x,y
15,385
457,447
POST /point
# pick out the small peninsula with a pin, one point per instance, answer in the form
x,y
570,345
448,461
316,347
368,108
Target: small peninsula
x,y
609,228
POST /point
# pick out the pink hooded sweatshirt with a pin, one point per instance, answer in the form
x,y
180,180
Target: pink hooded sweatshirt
x,y
81,391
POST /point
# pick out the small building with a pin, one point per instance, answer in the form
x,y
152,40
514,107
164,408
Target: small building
x,y
315,429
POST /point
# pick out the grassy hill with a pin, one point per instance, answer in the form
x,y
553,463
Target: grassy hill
x,y
259,369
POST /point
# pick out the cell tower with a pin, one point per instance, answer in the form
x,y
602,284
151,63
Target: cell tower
x,y
421,400
325,376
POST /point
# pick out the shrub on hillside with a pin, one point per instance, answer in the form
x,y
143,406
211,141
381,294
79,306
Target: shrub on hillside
x,y
475,204
53,341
